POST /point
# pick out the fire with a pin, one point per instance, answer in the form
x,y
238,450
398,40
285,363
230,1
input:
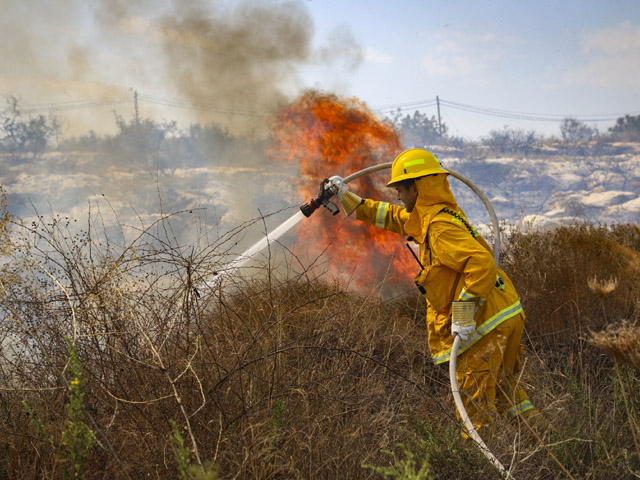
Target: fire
x,y
326,135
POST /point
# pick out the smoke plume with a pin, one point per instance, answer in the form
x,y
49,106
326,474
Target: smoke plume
x,y
217,61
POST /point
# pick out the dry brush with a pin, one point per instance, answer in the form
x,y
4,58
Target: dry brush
x,y
270,375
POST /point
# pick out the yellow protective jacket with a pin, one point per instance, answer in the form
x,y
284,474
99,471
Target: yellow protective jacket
x,y
457,266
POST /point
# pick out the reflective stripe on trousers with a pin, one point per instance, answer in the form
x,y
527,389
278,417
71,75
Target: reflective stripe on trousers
x,y
487,375
481,331
519,408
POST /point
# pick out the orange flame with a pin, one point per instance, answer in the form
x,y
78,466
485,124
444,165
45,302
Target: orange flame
x,y
326,135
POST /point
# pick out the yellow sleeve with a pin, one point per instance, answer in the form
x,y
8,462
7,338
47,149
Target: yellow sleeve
x,y
456,249
383,215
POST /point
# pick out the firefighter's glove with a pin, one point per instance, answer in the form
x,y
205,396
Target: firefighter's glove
x,y
349,200
462,321
337,186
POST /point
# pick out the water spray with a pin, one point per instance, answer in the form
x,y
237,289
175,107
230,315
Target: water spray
x,y
261,244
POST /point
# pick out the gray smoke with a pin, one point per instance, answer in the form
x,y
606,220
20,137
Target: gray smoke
x,y
229,62
238,58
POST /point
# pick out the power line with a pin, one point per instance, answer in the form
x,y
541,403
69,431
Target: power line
x,y
504,114
35,108
494,112
170,102
211,106
59,107
550,117
403,106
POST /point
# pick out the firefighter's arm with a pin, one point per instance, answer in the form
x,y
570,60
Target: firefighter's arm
x,y
383,215
457,250
380,214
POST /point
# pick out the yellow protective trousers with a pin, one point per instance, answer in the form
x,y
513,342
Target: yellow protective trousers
x,y
487,375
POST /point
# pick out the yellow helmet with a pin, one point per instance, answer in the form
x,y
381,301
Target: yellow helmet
x,y
414,163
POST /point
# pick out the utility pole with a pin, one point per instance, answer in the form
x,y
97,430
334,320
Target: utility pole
x,y
135,107
439,122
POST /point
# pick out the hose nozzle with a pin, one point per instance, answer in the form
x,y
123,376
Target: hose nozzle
x,y
321,200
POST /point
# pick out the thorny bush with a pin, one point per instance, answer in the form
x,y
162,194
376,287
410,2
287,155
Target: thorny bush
x,y
291,375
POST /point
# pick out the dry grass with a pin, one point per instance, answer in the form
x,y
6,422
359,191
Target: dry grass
x,y
552,271
621,341
292,376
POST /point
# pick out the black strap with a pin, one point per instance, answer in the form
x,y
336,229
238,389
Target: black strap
x,y
474,234
472,230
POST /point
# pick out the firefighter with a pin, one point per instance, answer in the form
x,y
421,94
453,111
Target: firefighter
x,y
457,266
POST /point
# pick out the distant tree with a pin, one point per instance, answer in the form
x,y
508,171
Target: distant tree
x,y
88,142
627,128
20,134
574,131
141,141
457,142
418,129
509,140
213,144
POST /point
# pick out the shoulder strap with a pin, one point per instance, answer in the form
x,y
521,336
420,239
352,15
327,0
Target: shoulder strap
x,y
472,231
474,234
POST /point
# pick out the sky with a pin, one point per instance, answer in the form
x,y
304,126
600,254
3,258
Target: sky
x,y
574,58
490,63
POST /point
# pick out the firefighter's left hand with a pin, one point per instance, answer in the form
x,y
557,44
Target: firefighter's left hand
x,y
464,332
337,187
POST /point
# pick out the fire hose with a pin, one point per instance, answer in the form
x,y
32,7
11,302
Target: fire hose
x,y
323,200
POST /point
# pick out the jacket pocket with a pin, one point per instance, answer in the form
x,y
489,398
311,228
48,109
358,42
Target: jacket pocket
x,y
439,283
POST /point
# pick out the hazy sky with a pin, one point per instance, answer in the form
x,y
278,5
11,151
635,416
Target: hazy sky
x,y
579,57
233,61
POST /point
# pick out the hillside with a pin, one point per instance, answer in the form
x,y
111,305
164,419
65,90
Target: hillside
x,y
543,191
530,192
